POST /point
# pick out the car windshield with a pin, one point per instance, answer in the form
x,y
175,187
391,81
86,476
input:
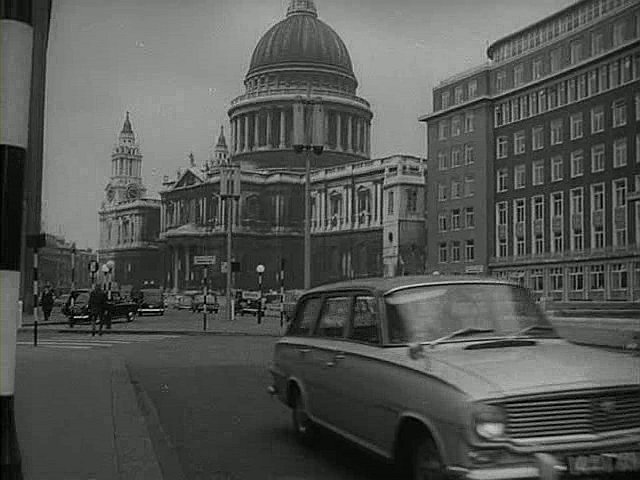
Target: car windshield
x,y
81,298
429,313
152,296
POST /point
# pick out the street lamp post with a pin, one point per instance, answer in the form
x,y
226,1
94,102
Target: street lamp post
x,y
260,270
229,191
308,135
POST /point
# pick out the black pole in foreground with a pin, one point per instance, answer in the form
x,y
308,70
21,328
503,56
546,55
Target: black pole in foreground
x,y
16,54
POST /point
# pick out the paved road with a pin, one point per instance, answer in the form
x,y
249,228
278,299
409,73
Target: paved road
x,y
216,421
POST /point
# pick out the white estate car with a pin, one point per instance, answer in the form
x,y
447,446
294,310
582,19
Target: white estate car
x,y
457,377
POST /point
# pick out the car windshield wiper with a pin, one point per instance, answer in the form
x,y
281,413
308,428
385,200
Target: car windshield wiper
x,y
532,328
460,333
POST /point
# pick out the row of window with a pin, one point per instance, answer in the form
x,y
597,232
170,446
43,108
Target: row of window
x,y
566,55
595,277
459,155
560,25
454,252
456,220
454,127
567,91
597,161
458,189
459,94
598,222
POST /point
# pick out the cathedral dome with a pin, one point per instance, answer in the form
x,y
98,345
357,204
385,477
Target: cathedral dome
x,y
301,40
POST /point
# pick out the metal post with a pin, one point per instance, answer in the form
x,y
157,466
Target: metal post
x,y
260,298
35,297
73,267
307,221
229,207
281,292
204,319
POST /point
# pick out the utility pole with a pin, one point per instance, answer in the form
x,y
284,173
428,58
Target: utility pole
x,y
308,135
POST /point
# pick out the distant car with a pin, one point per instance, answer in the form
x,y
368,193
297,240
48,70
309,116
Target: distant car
x,y
457,377
151,302
197,304
77,307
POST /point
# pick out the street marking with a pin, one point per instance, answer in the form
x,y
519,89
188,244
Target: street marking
x,y
83,343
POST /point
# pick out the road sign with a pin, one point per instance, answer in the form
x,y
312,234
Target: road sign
x,y
204,260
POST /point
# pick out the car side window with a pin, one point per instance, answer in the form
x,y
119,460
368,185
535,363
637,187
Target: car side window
x,y
334,317
305,317
364,327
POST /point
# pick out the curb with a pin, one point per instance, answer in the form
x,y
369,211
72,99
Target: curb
x,y
135,456
160,332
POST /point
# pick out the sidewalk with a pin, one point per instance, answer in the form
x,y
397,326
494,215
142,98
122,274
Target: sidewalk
x,y
183,323
78,418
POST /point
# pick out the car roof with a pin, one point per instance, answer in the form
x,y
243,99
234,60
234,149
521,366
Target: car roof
x,y
387,285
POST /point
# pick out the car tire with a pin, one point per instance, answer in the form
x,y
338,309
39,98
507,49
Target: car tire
x,y
302,425
423,460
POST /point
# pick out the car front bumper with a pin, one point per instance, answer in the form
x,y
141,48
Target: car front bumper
x,y
150,310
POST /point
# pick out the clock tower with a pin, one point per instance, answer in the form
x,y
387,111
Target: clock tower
x,y
129,219
125,184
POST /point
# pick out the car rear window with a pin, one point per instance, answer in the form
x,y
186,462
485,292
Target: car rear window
x,y
334,317
306,316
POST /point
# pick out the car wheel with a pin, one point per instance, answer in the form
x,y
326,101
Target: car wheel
x,y
424,460
302,425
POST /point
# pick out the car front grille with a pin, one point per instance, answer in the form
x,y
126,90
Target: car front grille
x,y
573,414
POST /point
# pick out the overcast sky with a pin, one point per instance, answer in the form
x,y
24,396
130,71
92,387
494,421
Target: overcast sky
x,y
176,65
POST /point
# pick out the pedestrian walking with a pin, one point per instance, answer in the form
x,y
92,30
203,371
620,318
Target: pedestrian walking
x,y
46,302
97,305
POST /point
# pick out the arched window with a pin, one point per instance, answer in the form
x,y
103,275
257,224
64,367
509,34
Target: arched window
x,y
364,200
252,208
336,204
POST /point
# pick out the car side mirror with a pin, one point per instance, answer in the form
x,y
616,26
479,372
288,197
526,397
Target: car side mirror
x,y
415,351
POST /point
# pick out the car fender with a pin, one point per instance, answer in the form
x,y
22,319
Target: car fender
x,y
428,425
298,383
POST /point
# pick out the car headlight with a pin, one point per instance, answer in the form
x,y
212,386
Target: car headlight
x,y
489,422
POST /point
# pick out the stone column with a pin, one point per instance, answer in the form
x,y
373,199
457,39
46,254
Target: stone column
x,y
321,209
338,131
175,260
204,210
256,130
349,133
233,137
245,147
282,127
277,210
269,121
220,215
187,265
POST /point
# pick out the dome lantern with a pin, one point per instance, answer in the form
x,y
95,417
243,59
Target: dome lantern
x,y
306,7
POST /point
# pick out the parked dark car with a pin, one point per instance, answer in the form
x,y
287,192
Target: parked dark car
x,y
77,307
150,301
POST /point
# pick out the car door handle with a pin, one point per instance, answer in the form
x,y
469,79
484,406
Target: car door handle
x,y
303,351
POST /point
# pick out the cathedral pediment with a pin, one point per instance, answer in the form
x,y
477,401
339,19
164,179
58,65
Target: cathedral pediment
x,y
189,177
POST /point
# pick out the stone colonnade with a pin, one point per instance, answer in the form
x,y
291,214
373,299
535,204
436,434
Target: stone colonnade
x,y
121,230
270,128
344,199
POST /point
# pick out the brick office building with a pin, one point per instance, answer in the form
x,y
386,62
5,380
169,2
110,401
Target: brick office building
x,y
563,163
460,148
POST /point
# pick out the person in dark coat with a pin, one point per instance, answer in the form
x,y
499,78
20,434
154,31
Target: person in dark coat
x,y
97,306
46,302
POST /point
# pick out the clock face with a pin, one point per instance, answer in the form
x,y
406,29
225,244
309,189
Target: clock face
x,y
132,191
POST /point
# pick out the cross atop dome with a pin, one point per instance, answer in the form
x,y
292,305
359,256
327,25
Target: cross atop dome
x,y
302,7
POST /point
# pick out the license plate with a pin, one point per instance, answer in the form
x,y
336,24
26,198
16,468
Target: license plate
x,y
603,463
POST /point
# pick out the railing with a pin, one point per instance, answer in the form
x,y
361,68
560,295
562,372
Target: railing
x,y
322,92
